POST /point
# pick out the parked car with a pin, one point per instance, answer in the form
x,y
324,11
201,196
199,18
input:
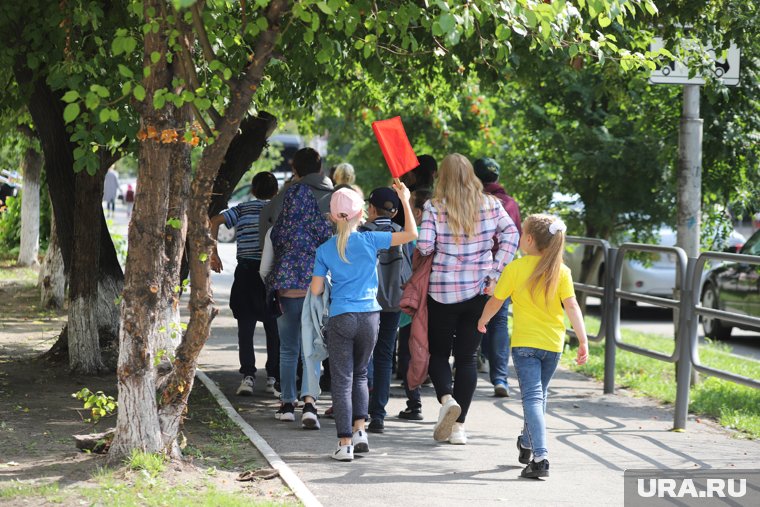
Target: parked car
x,y
655,275
733,287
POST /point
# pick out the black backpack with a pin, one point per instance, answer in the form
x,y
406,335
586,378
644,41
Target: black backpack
x,y
394,268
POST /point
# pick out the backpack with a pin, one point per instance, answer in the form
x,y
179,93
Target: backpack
x,y
394,268
130,197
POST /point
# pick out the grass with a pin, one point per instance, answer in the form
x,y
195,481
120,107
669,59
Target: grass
x,y
10,271
22,490
155,492
151,464
732,405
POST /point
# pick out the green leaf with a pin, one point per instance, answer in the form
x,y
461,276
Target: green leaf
x,y
155,56
174,223
203,257
114,115
129,44
117,46
71,96
124,71
325,8
139,93
104,115
91,101
447,23
604,21
71,112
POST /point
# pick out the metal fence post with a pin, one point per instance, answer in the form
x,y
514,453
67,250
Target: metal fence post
x,y
686,318
611,320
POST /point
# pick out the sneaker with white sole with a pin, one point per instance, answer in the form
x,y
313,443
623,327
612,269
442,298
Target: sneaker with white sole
x,y
501,390
360,441
286,413
447,416
458,435
270,384
246,386
524,453
309,417
343,453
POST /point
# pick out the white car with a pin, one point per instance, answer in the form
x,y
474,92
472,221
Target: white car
x,y
653,274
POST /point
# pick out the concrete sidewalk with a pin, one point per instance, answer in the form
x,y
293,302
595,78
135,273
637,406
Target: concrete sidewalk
x,y
593,438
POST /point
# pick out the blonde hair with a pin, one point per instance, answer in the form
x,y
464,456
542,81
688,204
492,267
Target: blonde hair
x,y
345,228
550,246
344,174
460,193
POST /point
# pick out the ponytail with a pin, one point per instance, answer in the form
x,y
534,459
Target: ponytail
x,y
549,235
345,228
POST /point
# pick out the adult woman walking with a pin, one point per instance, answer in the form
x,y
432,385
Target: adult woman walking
x,y
459,226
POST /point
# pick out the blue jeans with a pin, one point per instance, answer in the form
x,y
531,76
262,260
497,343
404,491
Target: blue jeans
x,y
382,364
535,368
289,327
495,345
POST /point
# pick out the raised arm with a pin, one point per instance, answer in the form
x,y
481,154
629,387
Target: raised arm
x,y
410,227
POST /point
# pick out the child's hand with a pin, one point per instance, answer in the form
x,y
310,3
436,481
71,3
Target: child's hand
x,y
582,355
482,325
216,263
403,193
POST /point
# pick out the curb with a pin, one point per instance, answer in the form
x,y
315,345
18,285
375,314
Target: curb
x,y
306,497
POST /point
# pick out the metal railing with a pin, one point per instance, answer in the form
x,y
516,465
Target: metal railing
x,y
688,278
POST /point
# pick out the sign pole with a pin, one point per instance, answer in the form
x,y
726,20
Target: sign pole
x,y
689,198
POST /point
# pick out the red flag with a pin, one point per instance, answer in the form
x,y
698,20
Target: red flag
x,y
395,146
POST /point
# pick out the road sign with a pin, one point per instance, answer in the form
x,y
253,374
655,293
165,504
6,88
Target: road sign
x,y
675,72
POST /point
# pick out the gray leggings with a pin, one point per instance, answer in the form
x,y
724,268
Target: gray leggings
x,y
351,338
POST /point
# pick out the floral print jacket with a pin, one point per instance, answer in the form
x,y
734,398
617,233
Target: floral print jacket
x,y
299,230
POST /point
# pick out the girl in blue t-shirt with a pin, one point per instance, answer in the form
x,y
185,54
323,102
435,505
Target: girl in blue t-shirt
x,y
351,332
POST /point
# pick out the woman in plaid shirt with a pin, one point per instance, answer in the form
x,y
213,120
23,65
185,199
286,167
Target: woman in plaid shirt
x,y
459,226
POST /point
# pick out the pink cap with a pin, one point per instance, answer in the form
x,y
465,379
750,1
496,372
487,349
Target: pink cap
x,y
345,204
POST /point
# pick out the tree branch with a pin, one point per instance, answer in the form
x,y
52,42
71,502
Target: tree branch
x,y
200,29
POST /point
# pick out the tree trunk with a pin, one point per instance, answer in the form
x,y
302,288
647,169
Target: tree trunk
x,y
173,399
52,280
170,330
137,424
46,109
30,209
84,343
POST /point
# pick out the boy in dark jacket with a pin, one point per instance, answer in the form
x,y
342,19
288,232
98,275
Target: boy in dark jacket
x,y
393,269
495,344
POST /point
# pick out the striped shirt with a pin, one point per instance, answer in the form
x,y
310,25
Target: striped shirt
x,y
245,218
461,271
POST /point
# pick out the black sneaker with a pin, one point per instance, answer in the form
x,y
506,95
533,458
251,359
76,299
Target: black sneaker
x,y
535,470
376,426
286,412
309,417
411,414
524,456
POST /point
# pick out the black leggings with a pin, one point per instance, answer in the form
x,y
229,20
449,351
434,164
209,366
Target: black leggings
x,y
455,327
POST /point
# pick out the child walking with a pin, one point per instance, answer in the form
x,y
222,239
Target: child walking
x,y
539,285
350,258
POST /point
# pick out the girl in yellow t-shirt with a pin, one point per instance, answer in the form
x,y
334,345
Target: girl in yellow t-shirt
x,y
539,285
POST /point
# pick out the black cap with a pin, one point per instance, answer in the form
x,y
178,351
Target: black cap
x,y
385,198
486,169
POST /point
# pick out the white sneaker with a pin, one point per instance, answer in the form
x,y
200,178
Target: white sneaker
x,y
343,453
458,435
286,413
447,416
270,385
246,386
360,441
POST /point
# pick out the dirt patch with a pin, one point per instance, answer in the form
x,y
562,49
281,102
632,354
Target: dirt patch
x,y
39,463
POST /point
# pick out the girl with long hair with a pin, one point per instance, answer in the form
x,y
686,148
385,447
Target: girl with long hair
x,y
350,257
540,285
459,225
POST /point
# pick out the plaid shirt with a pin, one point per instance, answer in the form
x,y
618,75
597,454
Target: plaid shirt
x,y
461,271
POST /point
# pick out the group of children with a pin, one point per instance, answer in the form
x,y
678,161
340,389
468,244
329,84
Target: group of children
x,y
365,265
